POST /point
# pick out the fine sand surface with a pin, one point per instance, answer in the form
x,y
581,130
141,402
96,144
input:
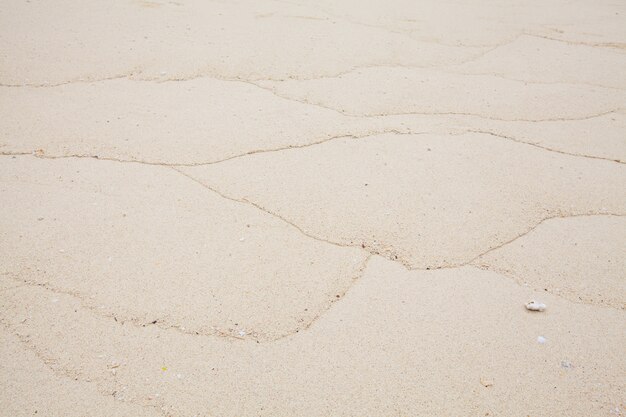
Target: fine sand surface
x,y
285,208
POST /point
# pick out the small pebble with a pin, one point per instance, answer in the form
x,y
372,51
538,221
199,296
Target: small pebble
x,y
535,306
541,340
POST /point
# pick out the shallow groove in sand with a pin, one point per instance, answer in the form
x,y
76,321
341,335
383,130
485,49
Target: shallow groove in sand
x,y
43,155
163,324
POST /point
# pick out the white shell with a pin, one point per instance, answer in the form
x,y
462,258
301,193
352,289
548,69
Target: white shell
x,y
535,306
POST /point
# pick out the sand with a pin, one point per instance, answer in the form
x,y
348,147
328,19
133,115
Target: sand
x,y
283,208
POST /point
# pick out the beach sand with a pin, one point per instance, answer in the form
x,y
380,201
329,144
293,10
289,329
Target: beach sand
x,y
283,208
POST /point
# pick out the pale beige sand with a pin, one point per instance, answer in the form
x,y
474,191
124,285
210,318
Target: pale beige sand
x,y
426,200
284,208
596,259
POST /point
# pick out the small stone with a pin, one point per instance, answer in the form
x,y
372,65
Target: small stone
x,y
541,340
535,306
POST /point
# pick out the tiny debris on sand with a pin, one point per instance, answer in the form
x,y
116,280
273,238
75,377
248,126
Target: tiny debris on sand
x,y
486,382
